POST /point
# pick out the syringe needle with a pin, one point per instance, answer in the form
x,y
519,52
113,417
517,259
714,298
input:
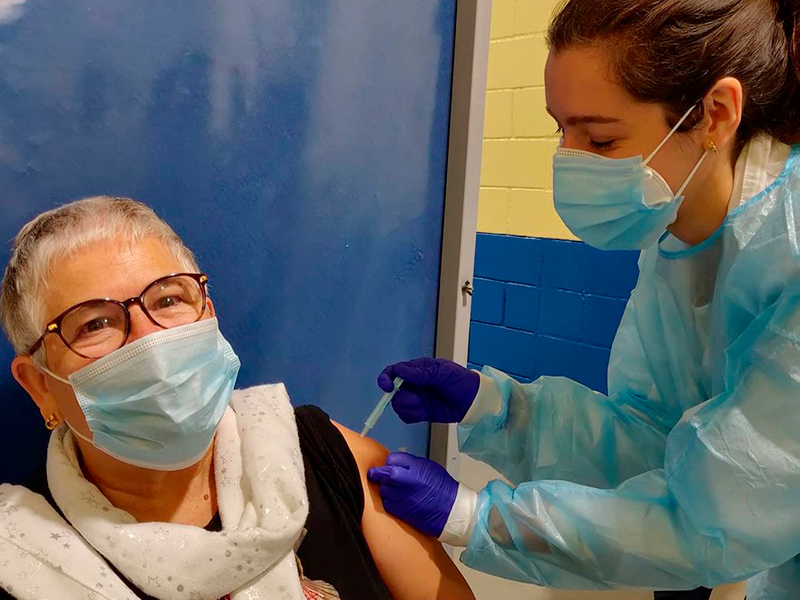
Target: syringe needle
x,y
381,406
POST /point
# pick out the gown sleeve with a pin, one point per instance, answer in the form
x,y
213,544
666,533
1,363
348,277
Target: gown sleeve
x,y
556,428
608,494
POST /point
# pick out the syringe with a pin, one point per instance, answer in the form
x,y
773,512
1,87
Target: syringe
x,y
381,406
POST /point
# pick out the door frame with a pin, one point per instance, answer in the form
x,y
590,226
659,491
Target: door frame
x,y
465,144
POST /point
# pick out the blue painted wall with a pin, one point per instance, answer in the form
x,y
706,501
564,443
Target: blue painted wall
x,y
548,307
298,146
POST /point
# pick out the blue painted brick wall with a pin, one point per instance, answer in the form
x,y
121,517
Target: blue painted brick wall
x,y
547,307
523,303
488,301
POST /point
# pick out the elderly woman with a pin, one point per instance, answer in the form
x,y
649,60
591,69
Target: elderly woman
x,y
161,480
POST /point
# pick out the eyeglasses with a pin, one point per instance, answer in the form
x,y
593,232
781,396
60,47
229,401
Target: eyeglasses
x,y
95,328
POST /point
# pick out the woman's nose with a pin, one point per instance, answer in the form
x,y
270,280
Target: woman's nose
x,y
141,325
570,142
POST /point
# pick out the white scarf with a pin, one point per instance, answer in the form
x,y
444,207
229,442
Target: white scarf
x,y
262,502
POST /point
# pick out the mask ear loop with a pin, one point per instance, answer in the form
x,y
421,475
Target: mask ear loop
x,y
77,434
71,428
53,375
686,183
670,134
699,163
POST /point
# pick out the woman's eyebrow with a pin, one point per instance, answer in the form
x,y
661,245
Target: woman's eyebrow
x,y
588,119
594,119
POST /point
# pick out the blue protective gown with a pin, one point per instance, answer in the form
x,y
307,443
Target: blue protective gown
x,y
688,473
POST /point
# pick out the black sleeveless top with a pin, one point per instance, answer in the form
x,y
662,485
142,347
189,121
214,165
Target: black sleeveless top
x,y
334,549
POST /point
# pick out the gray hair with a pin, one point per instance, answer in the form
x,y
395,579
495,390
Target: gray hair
x,y
59,233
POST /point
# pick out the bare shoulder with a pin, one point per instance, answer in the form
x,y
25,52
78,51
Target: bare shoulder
x,y
398,548
367,452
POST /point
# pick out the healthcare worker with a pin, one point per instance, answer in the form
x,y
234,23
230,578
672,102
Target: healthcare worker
x,y
678,119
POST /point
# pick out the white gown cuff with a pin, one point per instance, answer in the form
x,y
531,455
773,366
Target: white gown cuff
x,y
487,402
461,521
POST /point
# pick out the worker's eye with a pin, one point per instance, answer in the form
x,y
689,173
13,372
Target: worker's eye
x,y
604,145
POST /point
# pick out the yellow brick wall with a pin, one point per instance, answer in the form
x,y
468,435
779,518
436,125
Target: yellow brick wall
x,y
519,136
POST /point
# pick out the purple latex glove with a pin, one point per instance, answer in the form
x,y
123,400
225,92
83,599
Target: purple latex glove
x,y
434,390
416,490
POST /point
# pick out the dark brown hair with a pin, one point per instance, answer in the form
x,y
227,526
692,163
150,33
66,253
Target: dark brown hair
x,y
672,52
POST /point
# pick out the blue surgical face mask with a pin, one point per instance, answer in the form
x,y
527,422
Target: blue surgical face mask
x,y
616,204
157,402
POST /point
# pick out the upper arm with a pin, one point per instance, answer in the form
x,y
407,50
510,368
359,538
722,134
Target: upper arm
x,y
397,548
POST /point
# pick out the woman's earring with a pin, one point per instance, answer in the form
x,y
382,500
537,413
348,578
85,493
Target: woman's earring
x,y
51,422
712,147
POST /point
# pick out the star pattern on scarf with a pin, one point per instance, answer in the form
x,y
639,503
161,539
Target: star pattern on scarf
x,y
33,567
142,545
89,498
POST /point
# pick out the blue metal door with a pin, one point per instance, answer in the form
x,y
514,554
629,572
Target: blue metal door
x,y
298,146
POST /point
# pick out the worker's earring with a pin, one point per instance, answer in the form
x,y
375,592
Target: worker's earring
x,y
712,147
51,422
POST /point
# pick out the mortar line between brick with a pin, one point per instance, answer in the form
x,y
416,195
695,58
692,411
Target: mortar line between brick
x,y
546,336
